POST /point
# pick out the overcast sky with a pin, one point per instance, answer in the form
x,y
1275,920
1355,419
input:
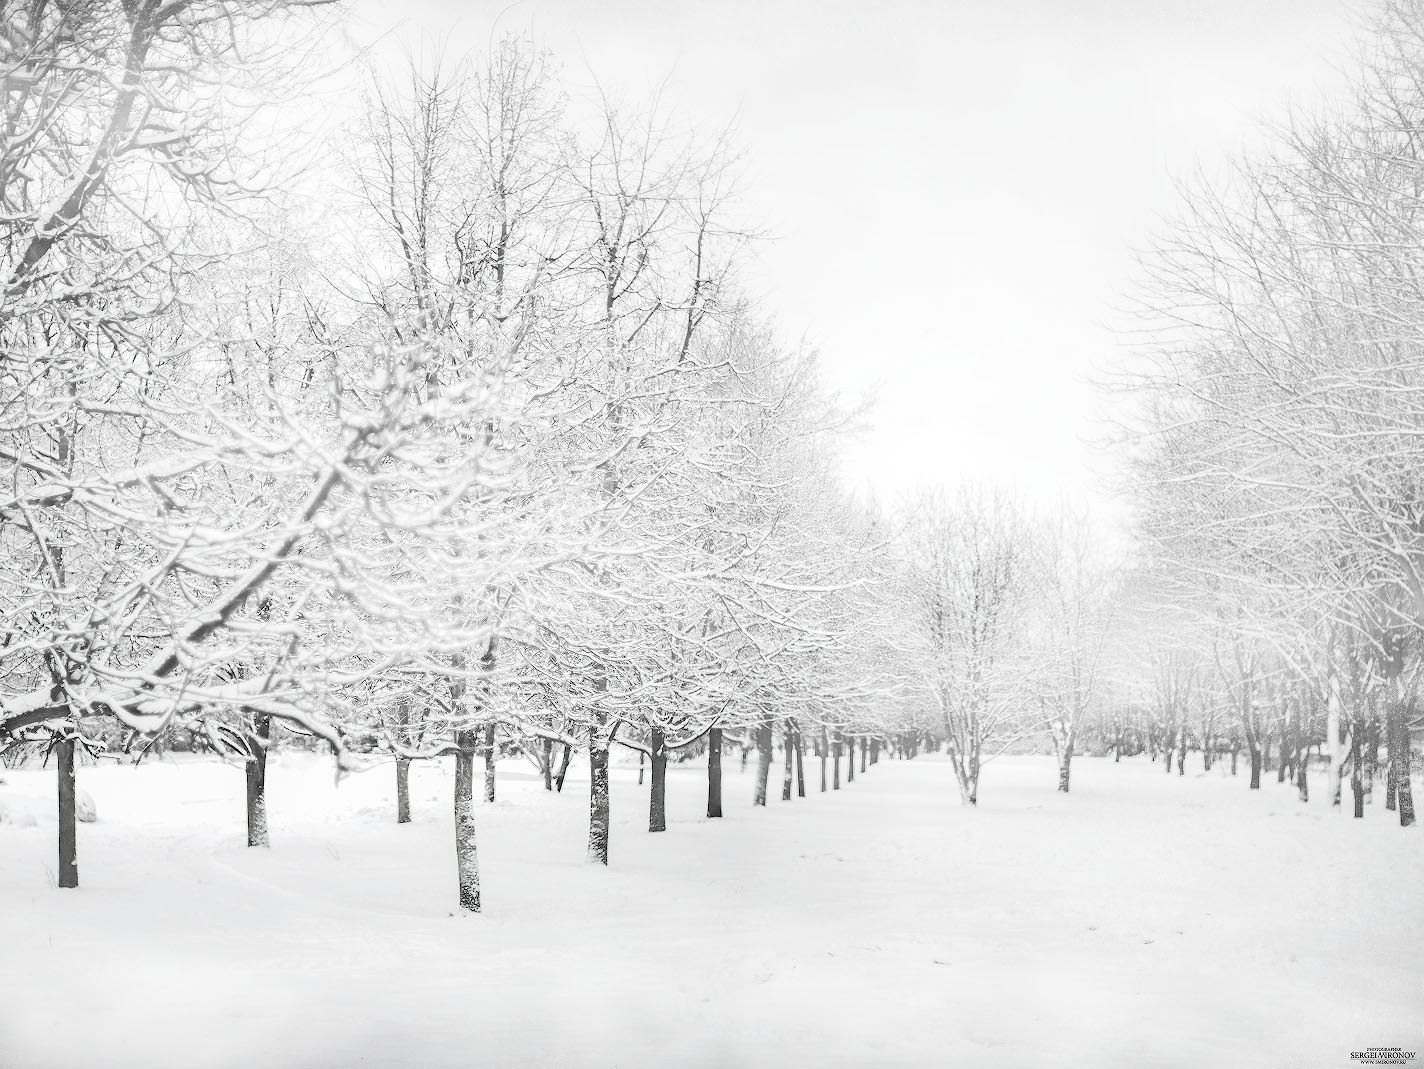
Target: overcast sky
x,y
955,187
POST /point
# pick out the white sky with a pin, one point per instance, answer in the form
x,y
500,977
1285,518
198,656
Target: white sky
x,y
955,186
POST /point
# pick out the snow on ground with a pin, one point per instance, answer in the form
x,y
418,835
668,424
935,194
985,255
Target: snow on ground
x,y
1145,920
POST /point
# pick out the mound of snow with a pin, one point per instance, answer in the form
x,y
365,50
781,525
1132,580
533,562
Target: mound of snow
x,y
18,810
27,810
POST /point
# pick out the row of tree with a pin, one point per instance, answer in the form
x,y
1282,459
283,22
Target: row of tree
x,y
1271,417
480,445
465,438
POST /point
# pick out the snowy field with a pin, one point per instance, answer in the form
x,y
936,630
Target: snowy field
x,y
1144,920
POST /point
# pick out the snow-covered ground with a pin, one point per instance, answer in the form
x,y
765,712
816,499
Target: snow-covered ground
x,y
1145,920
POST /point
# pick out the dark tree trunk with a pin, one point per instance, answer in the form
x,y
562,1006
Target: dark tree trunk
x,y
1403,791
1303,778
714,772
764,744
1255,784
490,751
257,741
1234,751
821,752
657,797
68,835
800,770
642,766
1371,758
745,751
874,751
850,759
563,768
864,752
1391,747
788,742
467,859
547,764
1182,755
836,761
402,790
598,813
1357,783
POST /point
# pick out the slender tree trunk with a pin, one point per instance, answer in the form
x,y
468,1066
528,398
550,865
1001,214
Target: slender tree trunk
x,y
864,751
490,751
547,764
68,829
822,751
598,808
1303,777
1391,745
402,766
800,770
65,788
402,790
1403,790
874,751
1357,784
836,760
1255,784
788,760
745,751
657,797
641,768
764,743
714,772
1333,709
467,858
1065,765
1372,741
563,768
850,759
1182,755
257,782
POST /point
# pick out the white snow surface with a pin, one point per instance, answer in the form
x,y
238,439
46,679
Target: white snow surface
x,y
1144,920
